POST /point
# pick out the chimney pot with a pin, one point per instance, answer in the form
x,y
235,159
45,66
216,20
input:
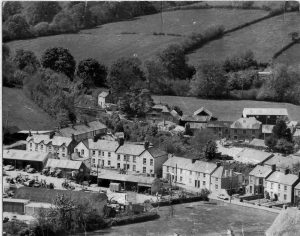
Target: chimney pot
x,y
287,171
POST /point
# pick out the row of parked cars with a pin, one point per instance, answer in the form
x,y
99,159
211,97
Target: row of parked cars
x,y
27,169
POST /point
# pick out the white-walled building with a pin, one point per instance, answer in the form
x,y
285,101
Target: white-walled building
x,y
63,147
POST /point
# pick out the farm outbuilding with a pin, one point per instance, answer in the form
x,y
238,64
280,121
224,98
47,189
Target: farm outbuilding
x,y
14,205
20,159
67,166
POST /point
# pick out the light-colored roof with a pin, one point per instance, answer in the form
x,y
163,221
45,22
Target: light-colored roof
x,y
202,109
252,156
261,171
34,131
131,149
217,124
246,123
174,114
161,107
40,205
267,129
258,143
14,154
280,177
265,111
297,133
104,94
55,141
24,201
81,129
297,186
113,175
64,164
282,161
104,145
187,164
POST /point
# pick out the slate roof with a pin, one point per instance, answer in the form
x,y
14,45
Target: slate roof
x,y
14,154
131,149
81,129
101,144
283,161
64,164
55,141
265,111
261,171
156,152
279,177
201,109
113,175
246,123
258,143
252,156
187,164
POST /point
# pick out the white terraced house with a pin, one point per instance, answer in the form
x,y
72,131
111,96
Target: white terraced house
x,y
49,143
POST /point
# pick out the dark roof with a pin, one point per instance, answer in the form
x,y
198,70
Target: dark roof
x,y
216,124
81,129
48,195
156,152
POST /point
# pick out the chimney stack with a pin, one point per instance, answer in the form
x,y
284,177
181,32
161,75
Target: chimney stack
x,y
51,135
73,137
95,138
273,167
146,145
29,134
218,164
287,171
170,155
121,141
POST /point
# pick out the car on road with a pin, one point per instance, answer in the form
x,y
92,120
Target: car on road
x,y
223,196
8,168
31,170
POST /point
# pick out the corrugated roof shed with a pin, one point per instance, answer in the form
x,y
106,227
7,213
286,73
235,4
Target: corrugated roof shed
x,y
246,123
64,164
265,111
261,171
81,129
14,154
55,141
131,149
279,177
252,156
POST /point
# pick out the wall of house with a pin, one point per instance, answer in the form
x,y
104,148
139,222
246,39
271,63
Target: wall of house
x,y
267,119
82,150
241,134
297,196
283,192
61,151
158,163
222,132
101,102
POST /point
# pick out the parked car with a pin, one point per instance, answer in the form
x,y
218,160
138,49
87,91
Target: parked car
x,y
29,183
31,170
8,168
223,196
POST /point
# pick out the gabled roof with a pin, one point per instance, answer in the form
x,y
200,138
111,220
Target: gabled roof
x,y
81,129
252,156
265,111
246,123
55,141
131,149
204,110
283,161
261,171
267,129
104,145
156,152
161,107
14,154
187,164
258,143
64,164
174,114
279,177
298,186
104,94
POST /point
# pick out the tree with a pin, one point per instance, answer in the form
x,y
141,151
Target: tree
x,y
178,110
10,9
125,75
17,27
281,131
63,23
5,52
210,150
24,58
200,139
209,81
62,118
81,15
271,142
41,11
284,146
92,72
60,60
188,130
294,36
175,63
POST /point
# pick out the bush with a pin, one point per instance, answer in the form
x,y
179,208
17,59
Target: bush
x,y
42,29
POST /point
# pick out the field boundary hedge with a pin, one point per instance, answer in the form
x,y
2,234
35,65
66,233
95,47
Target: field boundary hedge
x,y
286,47
124,220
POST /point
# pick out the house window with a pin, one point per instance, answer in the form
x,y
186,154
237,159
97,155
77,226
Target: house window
x,y
124,166
82,152
134,159
190,172
31,145
168,169
93,161
108,163
99,153
285,188
63,155
284,196
253,131
144,161
50,148
204,175
103,154
109,154
94,152
36,147
144,169
180,178
151,162
118,165
278,186
216,186
261,181
217,179
119,158
76,150
235,131
134,168
42,147
128,158
203,183
63,149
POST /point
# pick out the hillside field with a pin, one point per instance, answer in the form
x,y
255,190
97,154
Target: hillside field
x,y
20,111
107,43
263,38
226,110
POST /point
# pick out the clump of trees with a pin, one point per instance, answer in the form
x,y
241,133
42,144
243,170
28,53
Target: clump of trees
x,y
281,139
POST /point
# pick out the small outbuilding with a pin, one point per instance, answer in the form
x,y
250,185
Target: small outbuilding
x,y
67,166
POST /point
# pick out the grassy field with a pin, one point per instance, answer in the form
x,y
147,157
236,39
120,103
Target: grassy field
x,y
22,112
263,38
107,43
226,110
291,56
